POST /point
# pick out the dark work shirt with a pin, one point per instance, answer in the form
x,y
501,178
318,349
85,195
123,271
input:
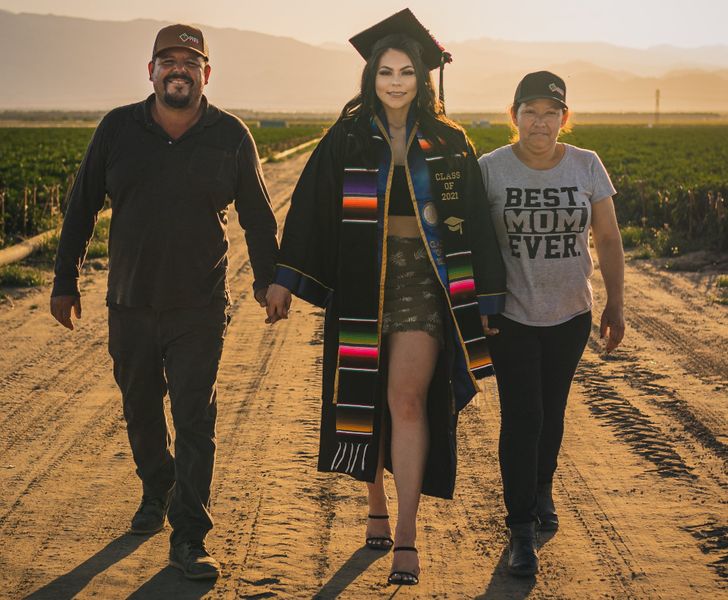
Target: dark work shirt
x,y
168,242
400,199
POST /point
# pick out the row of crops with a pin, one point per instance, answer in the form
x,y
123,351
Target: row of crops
x,y
37,166
672,181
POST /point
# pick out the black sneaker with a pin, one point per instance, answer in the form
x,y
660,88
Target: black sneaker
x,y
193,559
149,517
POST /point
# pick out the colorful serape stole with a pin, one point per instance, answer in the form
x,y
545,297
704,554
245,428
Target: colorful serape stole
x,y
358,354
459,273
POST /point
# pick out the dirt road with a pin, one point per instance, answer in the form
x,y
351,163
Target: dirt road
x,y
641,488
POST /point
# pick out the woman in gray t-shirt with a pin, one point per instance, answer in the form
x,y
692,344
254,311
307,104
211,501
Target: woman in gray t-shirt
x,y
544,198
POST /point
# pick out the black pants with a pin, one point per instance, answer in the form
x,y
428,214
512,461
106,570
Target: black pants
x,y
178,351
534,367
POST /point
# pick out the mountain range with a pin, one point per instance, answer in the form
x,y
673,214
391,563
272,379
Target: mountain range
x,y
68,63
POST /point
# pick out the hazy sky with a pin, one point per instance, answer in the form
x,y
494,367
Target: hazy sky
x,y
636,23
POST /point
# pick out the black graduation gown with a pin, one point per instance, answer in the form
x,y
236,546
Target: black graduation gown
x,y
309,266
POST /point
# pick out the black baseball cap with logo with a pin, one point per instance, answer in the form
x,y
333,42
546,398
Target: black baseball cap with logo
x,y
181,36
541,84
403,22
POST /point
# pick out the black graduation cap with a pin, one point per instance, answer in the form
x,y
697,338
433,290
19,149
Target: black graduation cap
x,y
406,23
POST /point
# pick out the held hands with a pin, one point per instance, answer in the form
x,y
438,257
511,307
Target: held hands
x,y
486,329
277,302
612,326
259,296
61,309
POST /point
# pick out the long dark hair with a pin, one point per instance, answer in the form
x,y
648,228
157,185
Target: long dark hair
x,y
428,108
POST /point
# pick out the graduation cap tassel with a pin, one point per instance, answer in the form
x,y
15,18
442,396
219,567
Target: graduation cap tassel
x,y
445,58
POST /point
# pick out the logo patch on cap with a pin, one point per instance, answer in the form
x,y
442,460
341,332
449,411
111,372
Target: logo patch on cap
x,y
555,88
185,37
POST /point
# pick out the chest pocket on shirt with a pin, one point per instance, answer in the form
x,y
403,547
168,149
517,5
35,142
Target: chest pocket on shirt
x,y
211,171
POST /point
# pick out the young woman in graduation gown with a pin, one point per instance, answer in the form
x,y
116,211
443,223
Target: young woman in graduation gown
x,y
386,232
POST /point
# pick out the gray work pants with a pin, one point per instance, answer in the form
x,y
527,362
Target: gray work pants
x,y
176,351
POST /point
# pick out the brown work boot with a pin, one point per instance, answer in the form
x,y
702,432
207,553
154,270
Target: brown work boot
x,y
149,517
192,558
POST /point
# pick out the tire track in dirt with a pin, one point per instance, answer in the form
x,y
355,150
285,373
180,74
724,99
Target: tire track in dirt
x,y
32,430
241,445
678,330
605,542
654,442
102,420
678,424
704,364
43,357
630,424
29,421
713,540
613,553
33,374
633,504
668,401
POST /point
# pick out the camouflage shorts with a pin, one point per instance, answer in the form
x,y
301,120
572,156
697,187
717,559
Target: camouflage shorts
x,y
413,297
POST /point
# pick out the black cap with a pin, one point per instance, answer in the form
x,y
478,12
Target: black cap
x,y
541,84
406,23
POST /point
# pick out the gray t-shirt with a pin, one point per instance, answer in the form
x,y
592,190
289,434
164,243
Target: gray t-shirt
x,y
542,220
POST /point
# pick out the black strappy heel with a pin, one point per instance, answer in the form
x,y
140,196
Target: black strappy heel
x,y
379,542
403,577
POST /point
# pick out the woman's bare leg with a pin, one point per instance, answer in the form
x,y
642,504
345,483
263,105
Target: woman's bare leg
x,y
412,359
377,499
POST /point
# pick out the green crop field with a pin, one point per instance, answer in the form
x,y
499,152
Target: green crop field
x,y
37,166
672,181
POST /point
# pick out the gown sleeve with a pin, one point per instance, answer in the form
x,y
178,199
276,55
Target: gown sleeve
x,y
488,267
308,259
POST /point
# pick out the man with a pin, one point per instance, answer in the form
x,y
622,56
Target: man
x,y
171,166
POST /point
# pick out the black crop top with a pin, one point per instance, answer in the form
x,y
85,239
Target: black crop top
x,y
400,201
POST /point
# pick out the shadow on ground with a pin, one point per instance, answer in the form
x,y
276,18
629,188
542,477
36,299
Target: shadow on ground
x,y
357,563
72,583
170,583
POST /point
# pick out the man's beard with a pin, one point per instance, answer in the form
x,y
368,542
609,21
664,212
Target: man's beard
x,y
177,101
181,101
